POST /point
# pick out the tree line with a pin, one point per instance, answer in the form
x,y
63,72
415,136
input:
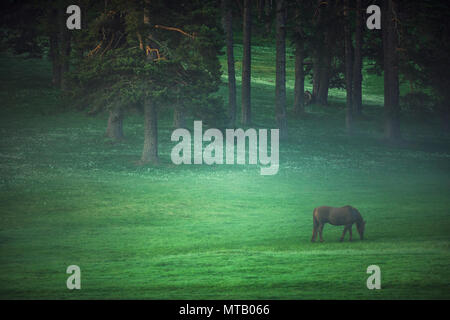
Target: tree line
x,y
331,41
154,54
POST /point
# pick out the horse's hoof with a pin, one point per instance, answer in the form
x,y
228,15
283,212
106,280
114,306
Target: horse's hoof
x,y
321,240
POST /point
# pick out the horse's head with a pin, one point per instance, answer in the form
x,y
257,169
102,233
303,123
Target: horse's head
x,y
361,226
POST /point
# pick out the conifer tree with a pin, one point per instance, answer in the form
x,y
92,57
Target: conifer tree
x,y
152,56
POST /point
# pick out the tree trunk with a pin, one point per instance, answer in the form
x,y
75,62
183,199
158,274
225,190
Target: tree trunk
x,y
115,124
260,8
54,57
64,46
228,28
316,75
246,65
323,54
268,15
299,89
324,81
179,119
54,48
348,68
321,73
150,151
280,81
357,64
65,60
446,120
391,81
317,54
325,64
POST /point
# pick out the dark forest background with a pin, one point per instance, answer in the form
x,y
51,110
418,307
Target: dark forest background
x,y
86,178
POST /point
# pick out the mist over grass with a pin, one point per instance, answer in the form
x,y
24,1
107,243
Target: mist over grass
x,y
70,196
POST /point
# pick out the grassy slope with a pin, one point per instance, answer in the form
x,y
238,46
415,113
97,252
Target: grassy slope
x,y
68,196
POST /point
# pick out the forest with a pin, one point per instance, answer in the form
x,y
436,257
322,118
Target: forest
x,y
95,96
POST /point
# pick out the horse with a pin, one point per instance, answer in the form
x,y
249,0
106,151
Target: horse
x,y
344,216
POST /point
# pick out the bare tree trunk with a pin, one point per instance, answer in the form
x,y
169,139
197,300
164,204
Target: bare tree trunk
x,y
268,15
325,67
54,48
327,12
323,56
65,63
357,64
321,73
317,54
316,75
228,27
348,68
64,46
54,57
446,120
299,89
324,80
391,81
179,119
150,151
260,8
280,82
115,124
246,65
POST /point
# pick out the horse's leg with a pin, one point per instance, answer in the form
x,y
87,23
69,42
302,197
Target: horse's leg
x,y
320,231
314,233
343,233
350,231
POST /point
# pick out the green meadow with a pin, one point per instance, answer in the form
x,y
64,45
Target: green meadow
x,y
69,196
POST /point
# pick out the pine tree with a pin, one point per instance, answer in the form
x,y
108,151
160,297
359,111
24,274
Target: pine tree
x,y
152,57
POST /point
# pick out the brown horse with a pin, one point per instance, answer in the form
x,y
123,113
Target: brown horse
x,y
344,216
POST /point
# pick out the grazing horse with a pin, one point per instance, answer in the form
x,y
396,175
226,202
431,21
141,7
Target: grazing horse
x,y
344,216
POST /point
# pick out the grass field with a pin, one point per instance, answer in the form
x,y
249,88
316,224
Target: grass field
x,y
70,196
